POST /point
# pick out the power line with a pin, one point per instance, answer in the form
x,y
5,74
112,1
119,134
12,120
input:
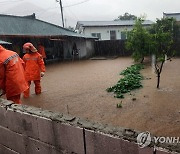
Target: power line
x,y
74,17
11,1
76,3
61,7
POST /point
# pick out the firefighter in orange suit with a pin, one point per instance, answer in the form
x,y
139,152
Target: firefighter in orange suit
x,y
41,50
34,67
12,79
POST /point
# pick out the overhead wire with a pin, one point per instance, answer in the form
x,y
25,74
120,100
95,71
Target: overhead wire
x,y
70,13
11,1
73,16
76,4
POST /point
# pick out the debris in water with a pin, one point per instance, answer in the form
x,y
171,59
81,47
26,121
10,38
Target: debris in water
x,y
133,99
119,105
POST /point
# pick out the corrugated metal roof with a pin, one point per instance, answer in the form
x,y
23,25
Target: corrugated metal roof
x,y
16,25
111,23
4,42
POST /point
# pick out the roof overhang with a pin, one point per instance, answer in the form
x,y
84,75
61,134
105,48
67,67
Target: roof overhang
x,y
43,36
4,42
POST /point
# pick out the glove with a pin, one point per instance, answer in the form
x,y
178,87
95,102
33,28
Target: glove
x,y
42,74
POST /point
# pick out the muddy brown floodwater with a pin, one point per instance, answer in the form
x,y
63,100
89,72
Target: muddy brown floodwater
x,y
81,86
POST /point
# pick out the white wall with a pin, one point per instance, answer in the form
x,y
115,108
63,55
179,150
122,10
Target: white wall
x,y
105,31
176,16
89,48
67,47
84,46
81,46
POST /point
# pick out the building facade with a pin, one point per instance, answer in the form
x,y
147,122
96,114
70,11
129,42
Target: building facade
x,y
58,41
172,15
108,30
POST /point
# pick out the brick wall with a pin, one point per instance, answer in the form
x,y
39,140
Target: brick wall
x,y
30,130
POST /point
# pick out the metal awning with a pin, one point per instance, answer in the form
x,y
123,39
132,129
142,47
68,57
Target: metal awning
x,y
4,42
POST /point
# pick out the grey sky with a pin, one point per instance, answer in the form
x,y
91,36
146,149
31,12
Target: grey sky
x,y
91,10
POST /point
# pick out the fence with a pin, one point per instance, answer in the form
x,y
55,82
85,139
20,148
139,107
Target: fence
x,y
30,130
111,48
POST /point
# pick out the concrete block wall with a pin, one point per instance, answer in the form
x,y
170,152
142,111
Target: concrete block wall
x,y
30,130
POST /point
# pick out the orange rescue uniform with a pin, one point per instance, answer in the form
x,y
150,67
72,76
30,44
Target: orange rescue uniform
x,y
34,65
12,79
41,50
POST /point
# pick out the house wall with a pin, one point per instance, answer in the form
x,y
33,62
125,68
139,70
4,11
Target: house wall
x,y
90,48
175,16
81,46
85,48
67,48
105,31
30,130
57,50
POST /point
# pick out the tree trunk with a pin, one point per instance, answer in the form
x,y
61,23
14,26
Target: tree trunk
x,y
158,80
158,72
142,60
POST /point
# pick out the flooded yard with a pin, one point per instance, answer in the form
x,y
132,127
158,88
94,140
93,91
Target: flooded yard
x,y
79,88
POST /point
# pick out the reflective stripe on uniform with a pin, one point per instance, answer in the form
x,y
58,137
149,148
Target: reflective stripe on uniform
x,y
10,58
30,58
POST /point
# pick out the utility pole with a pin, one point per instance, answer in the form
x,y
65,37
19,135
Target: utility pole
x,y
60,3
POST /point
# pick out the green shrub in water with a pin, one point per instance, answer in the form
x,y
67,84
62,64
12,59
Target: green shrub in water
x,y
132,80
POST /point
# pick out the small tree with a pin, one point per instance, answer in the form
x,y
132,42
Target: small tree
x,y
161,43
126,16
157,40
138,41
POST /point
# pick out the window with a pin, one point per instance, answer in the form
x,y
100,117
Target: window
x,y
112,35
96,35
124,35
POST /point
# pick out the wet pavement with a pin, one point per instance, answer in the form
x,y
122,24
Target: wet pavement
x,y
79,88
